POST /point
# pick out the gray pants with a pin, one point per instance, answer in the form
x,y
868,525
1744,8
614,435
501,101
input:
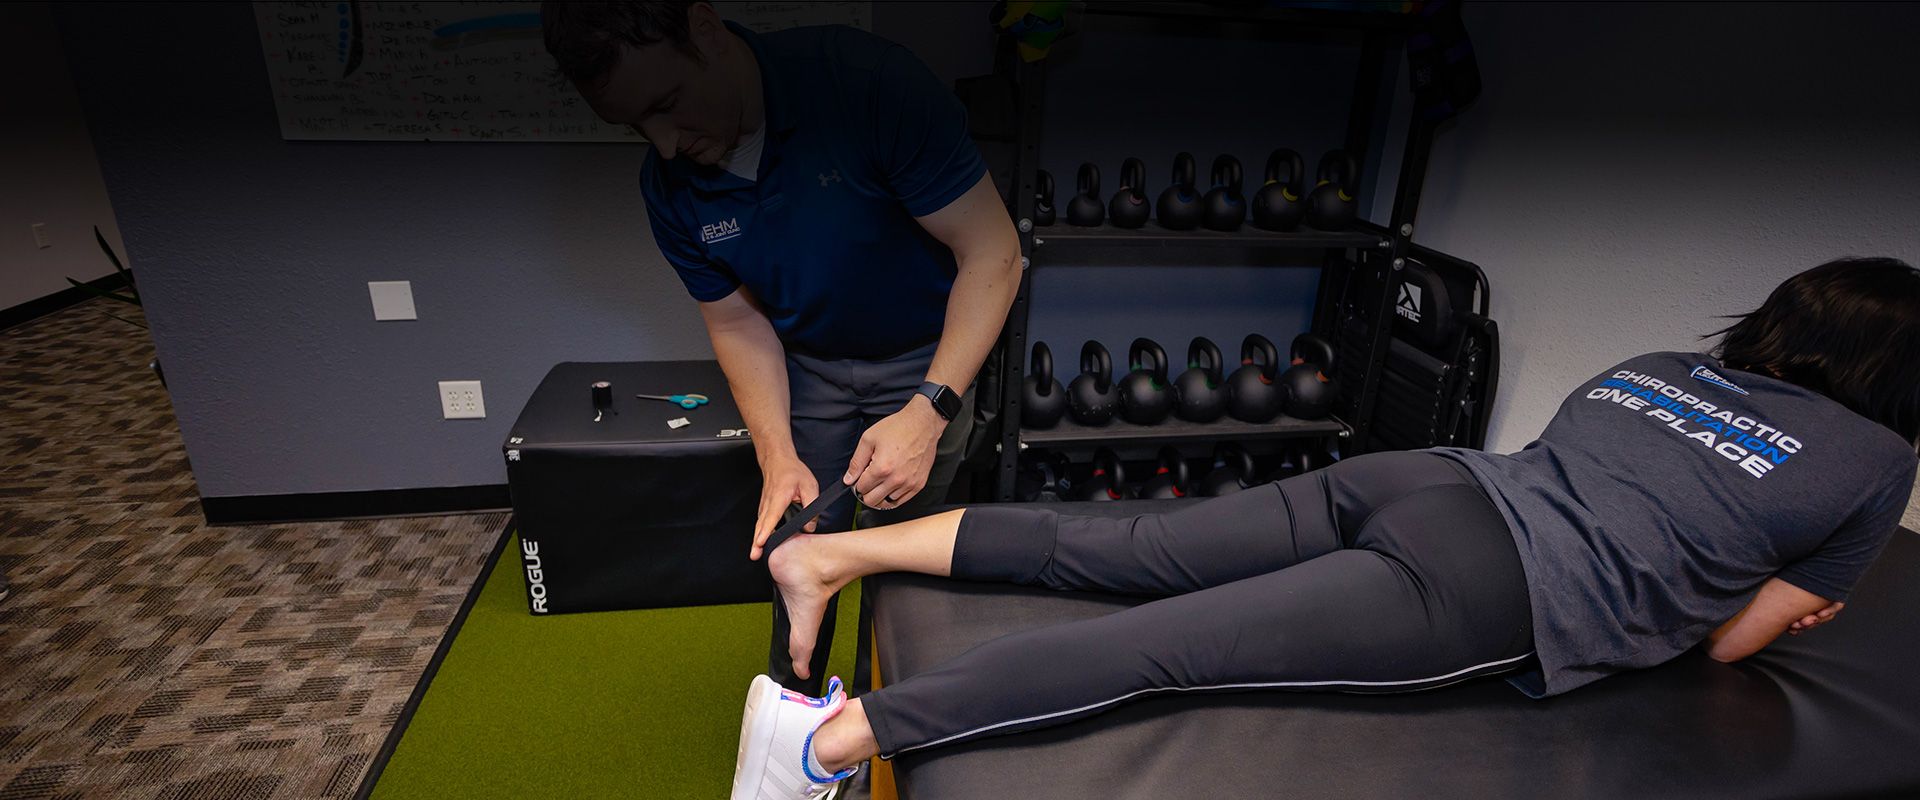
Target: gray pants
x,y
1387,572
833,401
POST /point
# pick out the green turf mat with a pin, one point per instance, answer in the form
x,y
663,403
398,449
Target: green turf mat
x,y
608,704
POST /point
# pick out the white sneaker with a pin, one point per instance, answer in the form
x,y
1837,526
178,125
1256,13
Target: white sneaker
x,y
776,759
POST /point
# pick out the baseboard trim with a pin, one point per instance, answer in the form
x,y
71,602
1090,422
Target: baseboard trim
x,y
66,298
269,509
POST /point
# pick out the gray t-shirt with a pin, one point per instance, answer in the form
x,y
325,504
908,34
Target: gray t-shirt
x,y
1667,490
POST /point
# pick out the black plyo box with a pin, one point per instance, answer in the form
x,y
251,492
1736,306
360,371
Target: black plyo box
x,y
629,511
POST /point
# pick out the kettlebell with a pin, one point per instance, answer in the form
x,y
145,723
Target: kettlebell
x,y
1312,348
1043,211
1200,393
1289,466
1179,207
1251,393
1108,481
1144,399
1224,208
1310,392
1043,401
1043,478
1129,207
1312,457
1330,207
1232,471
1092,398
1281,201
1085,209
1169,477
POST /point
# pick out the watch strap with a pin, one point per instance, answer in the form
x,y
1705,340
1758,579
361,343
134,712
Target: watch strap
x,y
946,403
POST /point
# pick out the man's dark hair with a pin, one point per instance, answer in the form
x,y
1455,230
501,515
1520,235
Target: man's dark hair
x,y
584,38
1848,329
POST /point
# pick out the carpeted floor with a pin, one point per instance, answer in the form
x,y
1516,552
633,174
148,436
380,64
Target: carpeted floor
x,y
146,655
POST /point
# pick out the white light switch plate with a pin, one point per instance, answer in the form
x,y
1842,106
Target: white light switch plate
x,y
40,238
392,299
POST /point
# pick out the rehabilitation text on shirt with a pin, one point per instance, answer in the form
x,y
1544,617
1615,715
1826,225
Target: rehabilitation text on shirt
x,y
1751,444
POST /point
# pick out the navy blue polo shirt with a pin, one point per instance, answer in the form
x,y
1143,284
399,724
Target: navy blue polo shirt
x,y
861,138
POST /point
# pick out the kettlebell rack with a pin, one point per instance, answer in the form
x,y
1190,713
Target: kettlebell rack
x,y
1355,302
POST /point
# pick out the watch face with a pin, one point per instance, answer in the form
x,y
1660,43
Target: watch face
x,y
944,400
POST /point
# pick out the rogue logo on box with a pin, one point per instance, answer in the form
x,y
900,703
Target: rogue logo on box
x,y
536,587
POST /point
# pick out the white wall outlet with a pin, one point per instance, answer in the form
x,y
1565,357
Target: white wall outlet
x,y
392,299
462,400
40,237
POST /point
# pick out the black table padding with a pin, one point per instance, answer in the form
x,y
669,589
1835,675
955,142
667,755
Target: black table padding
x,y
1832,713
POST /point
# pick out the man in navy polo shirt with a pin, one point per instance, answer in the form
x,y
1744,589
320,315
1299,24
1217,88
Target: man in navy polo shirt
x,y
817,192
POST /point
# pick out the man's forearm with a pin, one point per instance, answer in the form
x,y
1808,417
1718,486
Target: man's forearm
x,y
756,367
977,307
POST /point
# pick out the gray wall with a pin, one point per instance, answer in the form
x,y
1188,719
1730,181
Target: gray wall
x,y
51,174
1635,171
255,253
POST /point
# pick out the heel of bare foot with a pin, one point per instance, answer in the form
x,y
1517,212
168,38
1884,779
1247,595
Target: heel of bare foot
x,y
805,578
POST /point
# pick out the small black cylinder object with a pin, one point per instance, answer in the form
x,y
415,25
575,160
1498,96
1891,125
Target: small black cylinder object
x,y
602,396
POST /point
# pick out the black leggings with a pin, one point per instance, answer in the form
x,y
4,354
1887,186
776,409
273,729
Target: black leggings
x,y
1389,572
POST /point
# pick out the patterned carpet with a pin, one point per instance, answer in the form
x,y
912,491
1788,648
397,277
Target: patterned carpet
x,y
146,655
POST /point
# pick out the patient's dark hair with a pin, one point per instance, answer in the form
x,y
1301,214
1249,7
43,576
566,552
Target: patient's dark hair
x,y
1848,329
584,37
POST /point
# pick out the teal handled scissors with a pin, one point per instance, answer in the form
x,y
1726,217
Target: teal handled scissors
x,y
685,400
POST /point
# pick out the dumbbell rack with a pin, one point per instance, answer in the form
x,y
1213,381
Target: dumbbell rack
x,y
1366,255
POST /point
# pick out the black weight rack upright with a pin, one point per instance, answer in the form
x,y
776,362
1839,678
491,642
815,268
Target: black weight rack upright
x,y
1357,291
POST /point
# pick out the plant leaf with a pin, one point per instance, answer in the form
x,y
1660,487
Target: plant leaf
x,y
99,292
122,319
104,247
117,266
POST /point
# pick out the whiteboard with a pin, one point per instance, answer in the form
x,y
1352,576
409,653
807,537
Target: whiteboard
x,y
460,71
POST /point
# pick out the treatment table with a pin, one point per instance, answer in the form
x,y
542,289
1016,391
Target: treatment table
x,y
1832,713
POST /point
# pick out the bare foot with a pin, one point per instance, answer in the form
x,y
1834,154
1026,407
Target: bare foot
x,y
845,740
805,580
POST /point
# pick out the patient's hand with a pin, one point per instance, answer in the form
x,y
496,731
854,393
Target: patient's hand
x,y
1823,615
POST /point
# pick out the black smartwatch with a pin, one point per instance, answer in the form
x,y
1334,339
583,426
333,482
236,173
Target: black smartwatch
x,y
945,402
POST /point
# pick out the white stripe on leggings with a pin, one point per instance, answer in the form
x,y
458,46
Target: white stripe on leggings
x,y
1130,695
